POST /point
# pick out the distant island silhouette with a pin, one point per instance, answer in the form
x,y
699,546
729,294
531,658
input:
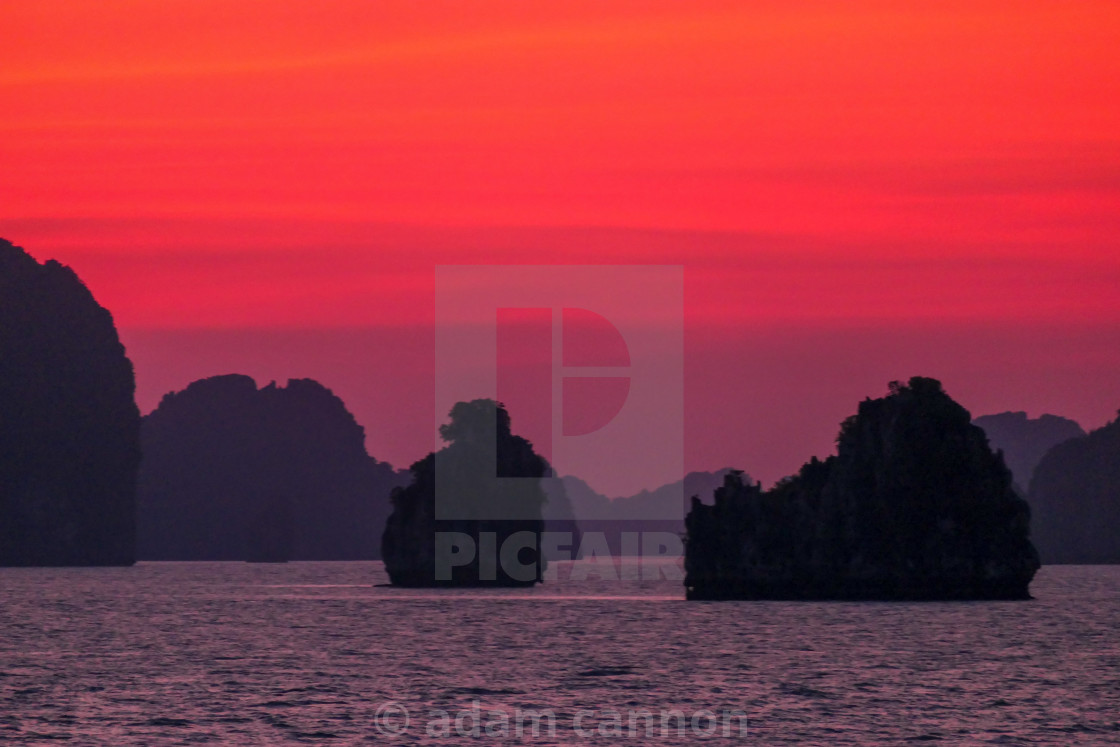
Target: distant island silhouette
x,y
481,450
1024,441
69,425
1075,497
915,505
559,517
233,472
612,517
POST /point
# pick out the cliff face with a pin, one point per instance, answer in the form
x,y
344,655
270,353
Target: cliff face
x,y
69,426
1075,497
915,505
466,472
233,472
1024,441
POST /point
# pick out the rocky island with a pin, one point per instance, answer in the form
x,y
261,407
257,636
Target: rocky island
x,y
1024,441
1075,497
236,472
494,527
69,425
914,506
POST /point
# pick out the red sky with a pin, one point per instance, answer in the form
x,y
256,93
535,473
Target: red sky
x,y
857,191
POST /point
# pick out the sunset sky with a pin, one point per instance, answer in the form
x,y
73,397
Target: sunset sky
x,y
858,192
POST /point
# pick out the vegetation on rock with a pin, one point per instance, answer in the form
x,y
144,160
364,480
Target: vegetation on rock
x,y
480,503
914,505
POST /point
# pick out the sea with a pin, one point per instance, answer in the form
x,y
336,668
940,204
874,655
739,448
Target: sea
x,y
298,653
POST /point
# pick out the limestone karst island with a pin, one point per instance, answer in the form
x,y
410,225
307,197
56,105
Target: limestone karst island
x,y
915,505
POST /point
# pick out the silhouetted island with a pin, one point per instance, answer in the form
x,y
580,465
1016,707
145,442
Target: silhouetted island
x,y
233,472
915,505
1075,499
481,452
69,426
1024,440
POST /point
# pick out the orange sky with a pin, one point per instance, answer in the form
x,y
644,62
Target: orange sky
x,y
213,165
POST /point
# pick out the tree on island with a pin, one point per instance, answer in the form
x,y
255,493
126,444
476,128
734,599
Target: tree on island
x,y
915,505
478,500
69,425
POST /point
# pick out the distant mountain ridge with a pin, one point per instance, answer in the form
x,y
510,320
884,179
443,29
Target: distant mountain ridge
x,y
1024,441
1075,499
659,510
589,504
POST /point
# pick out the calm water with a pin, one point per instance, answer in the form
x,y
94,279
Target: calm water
x,y
178,653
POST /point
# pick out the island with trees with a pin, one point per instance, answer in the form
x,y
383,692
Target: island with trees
x,y
472,515
915,505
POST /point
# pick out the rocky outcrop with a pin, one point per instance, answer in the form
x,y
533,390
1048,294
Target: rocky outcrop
x,y
1075,499
915,505
1024,440
477,545
233,472
69,426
